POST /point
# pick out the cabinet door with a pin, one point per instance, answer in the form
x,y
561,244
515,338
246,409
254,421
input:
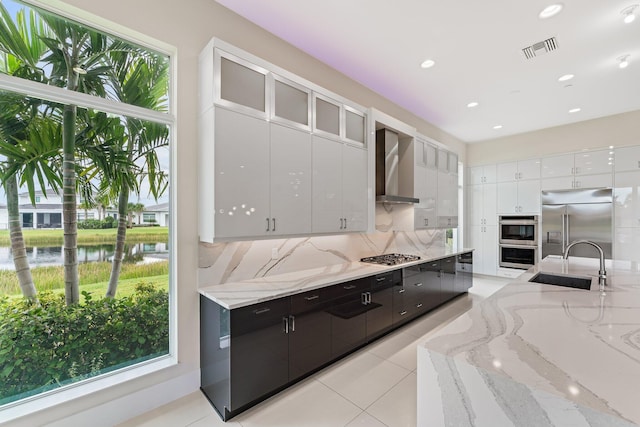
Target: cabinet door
x,y
626,244
242,175
490,174
354,188
348,316
490,204
476,202
529,196
432,287
464,273
507,194
559,183
593,162
447,279
476,175
431,197
327,185
290,180
310,333
552,167
259,351
594,181
529,169
507,172
626,196
490,250
447,199
627,159
420,185
380,313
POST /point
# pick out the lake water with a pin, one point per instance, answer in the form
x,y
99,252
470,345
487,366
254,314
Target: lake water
x,y
52,255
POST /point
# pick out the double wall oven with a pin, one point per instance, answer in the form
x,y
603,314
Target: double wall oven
x,y
518,241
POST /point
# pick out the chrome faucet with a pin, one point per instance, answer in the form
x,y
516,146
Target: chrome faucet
x,y
602,274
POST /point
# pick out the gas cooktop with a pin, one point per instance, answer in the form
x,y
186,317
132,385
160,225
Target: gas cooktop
x,y
390,259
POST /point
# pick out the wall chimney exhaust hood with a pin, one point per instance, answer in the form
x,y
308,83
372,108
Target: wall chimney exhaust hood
x,y
387,161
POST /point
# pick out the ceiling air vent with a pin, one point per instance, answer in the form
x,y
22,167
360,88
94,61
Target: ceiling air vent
x,y
540,48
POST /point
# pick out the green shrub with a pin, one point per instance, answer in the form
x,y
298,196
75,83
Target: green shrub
x,y
48,345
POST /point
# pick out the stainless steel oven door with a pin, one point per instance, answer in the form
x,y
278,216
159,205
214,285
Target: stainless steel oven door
x,y
517,256
523,232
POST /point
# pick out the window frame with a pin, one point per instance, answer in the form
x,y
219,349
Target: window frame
x,y
70,392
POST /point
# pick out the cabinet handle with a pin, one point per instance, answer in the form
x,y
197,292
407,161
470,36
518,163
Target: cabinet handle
x,y
285,322
268,223
577,171
418,284
345,223
401,291
403,312
262,311
312,297
293,323
418,305
274,224
349,287
426,222
368,297
380,279
516,175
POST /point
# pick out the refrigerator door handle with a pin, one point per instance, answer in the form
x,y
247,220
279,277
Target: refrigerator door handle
x,y
563,238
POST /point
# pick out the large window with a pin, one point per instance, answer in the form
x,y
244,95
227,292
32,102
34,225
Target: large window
x,y
85,132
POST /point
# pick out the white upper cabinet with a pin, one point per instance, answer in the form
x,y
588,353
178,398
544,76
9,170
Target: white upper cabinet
x,y
627,199
291,102
241,84
447,210
519,197
242,205
327,115
482,175
627,159
355,125
339,187
278,155
425,185
587,169
517,171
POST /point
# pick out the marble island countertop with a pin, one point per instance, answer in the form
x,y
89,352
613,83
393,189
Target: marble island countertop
x,y
539,355
253,291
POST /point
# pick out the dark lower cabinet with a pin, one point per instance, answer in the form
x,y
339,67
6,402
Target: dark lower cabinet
x,y
448,278
464,272
309,333
348,316
259,351
249,353
379,301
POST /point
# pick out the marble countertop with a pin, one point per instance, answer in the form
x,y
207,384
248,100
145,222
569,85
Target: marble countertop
x,y
539,355
253,291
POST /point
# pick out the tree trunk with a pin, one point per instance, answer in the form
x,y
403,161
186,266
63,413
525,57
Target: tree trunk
x,y
118,255
69,207
20,260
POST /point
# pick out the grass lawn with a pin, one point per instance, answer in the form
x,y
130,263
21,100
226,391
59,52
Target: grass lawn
x,y
86,237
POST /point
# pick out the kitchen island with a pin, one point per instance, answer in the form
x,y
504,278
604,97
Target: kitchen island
x,y
539,355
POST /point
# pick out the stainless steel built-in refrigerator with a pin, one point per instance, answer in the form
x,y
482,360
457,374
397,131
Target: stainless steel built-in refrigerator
x,y
570,215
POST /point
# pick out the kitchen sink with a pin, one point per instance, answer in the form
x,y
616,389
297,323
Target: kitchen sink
x,y
579,282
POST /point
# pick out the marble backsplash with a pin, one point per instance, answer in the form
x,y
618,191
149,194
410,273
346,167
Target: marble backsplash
x,y
242,260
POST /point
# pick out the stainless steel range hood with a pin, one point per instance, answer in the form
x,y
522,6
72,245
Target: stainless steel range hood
x,y
387,161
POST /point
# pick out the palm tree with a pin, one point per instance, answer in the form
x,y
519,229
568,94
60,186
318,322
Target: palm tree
x,y
141,80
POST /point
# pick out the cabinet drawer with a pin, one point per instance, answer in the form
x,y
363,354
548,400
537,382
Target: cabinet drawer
x,y
309,301
388,279
258,316
348,288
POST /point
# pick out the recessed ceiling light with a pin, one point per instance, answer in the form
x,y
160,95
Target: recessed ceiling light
x,y
551,10
628,13
496,127
428,63
574,110
565,77
472,104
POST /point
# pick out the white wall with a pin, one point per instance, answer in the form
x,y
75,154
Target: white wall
x,y
189,25
618,130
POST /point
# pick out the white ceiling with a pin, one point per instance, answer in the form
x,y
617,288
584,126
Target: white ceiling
x,y
477,46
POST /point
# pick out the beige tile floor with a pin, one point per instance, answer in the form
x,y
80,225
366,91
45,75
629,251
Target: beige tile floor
x,y
373,387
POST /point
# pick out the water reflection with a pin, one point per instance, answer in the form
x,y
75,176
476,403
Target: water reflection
x,y
53,255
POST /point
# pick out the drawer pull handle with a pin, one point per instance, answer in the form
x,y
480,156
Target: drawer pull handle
x,y
419,305
261,311
381,279
419,284
312,297
401,291
402,313
349,287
